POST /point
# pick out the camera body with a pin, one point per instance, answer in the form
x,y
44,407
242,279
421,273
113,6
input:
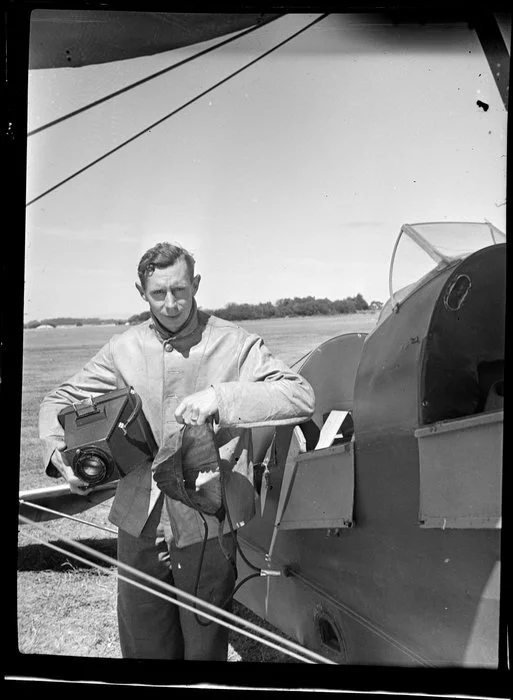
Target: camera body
x,y
107,437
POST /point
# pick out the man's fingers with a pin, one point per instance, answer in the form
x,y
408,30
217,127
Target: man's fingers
x,y
201,417
78,489
187,412
76,485
193,416
197,408
58,460
179,413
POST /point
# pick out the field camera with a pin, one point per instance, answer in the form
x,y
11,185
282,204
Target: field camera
x,y
107,437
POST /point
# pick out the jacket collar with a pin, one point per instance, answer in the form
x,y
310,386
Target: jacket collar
x,y
186,329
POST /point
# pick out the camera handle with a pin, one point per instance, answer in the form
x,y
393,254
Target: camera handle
x,y
138,405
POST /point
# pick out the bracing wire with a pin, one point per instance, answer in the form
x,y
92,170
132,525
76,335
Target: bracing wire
x,y
293,573
45,509
148,78
223,617
65,515
175,111
168,598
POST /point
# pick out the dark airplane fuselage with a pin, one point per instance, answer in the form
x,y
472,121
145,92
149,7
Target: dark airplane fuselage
x,y
399,586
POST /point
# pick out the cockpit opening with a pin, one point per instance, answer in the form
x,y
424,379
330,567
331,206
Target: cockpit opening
x,y
491,385
463,360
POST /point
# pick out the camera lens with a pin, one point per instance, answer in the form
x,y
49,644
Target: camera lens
x,y
92,465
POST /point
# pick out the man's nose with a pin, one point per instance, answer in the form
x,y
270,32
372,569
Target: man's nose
x,y
170,299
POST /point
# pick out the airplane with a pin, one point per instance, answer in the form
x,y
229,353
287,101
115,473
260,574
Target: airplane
x,y
74,38
384,510
380,516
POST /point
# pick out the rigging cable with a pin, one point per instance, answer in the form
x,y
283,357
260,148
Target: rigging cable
x,y
175,111
147,79
291,572
114,532
288,647
65,515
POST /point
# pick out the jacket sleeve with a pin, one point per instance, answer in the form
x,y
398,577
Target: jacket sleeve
x,y
97,377
268,392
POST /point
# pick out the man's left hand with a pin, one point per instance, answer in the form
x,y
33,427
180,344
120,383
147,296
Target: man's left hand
x,y
197,408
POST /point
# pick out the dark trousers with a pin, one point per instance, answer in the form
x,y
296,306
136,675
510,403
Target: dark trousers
x,y
153,628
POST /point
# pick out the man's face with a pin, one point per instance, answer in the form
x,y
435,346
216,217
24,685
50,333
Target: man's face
x,y
170,293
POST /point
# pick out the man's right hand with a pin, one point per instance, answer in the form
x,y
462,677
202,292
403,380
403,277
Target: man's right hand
x,y
76,485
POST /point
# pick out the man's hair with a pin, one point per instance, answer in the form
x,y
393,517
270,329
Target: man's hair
x,y
163,255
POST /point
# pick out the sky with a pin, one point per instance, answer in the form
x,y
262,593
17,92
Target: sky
x,y
292,179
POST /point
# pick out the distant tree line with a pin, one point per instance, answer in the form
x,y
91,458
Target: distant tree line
x,y
298,306
68,321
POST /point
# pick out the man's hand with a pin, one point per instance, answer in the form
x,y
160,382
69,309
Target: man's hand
x,y
76,485
197,408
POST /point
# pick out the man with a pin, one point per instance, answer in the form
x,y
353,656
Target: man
x,y
188,367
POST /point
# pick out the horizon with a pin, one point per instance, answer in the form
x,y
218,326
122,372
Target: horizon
x,y
291,179
126,316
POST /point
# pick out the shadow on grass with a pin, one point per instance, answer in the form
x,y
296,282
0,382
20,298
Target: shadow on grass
x,y
38,557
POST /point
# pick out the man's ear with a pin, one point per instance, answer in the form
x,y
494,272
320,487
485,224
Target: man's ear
x,y
195,283
141,291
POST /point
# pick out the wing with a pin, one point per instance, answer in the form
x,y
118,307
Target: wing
x,y
72,38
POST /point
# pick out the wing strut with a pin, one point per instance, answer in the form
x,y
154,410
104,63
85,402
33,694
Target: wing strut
x,y
495,50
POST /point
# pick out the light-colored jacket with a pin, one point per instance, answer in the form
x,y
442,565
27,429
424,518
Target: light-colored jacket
x,y
253,389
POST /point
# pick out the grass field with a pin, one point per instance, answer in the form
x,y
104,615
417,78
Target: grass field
x,y
64,607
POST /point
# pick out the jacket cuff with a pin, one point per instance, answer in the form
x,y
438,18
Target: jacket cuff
x,y
223,416
52,471
48,448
